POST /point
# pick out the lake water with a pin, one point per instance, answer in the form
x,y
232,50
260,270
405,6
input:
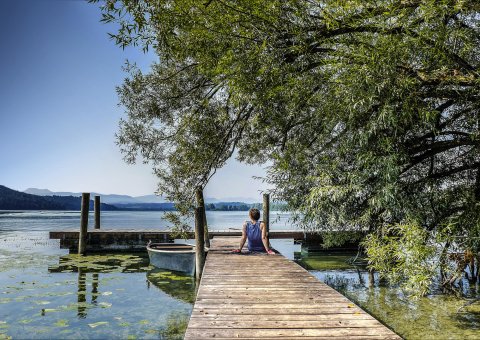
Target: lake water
x,y
46,293
54,220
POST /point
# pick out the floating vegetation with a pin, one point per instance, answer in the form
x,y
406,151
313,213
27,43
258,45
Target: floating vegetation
x,y
101,263
48,310
61,323
327,261
105,304
42,302
96,324
177,285
25,321
94,296
176,326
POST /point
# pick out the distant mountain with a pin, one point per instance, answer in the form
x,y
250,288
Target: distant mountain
x,y
42,192
109,199
146,206
151,199
16,200
233,199
143,202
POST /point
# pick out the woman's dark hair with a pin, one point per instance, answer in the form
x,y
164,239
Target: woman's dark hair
x,y
254,214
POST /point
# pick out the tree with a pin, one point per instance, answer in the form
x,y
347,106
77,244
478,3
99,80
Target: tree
x,y
367,110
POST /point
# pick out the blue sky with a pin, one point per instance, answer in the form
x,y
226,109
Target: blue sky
x,y
58,105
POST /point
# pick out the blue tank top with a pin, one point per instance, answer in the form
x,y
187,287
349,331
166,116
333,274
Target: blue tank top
x,y
254,235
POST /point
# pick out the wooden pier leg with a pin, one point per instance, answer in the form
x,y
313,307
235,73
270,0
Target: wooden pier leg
x,y
96,208
199,242
95,287
266,215
81,293
201,204
82,240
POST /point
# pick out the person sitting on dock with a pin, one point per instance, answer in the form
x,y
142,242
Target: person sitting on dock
x,y
256,233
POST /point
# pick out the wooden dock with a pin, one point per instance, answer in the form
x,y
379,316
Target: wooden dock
x,y
135,239
268,296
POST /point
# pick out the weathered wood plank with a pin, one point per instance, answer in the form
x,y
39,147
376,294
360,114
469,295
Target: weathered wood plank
x,y
281,317
261,311
356,337
248,333
267,296
277,305
200,323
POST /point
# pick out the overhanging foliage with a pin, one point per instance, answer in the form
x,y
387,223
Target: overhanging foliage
x,y
367,110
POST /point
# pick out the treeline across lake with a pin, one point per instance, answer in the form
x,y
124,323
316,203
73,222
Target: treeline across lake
x,y
240,206
15,200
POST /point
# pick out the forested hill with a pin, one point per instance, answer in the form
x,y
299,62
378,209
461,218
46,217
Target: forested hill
x,y
16,200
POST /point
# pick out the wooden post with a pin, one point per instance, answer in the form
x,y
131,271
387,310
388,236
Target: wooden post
x,y
201,204
82,240
266,214
97,211
199,242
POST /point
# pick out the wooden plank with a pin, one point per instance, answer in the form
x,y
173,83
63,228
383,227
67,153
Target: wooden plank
x,y
267,296
200,323
262,311
248,333
284,317
274,305
356,337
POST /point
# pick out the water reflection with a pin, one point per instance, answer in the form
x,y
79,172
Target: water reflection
x,y
98,263
438,316
82,293
94,288
176,285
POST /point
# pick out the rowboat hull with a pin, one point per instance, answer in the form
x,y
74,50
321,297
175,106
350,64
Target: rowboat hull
x,y
172,256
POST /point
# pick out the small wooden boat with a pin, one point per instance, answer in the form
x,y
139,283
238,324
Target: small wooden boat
x,y
172,256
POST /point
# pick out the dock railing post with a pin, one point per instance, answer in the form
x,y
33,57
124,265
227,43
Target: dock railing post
x,y
96,208
82,239
201,204
266,214
199,242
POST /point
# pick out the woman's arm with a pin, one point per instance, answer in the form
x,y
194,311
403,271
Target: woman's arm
x,y
244,236
265,238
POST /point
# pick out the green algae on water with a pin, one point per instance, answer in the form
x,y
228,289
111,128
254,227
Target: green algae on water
x,y
175,284
93,296
100,263
327,261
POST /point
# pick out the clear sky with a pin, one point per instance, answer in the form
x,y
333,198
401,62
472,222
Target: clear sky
x,y
58,105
